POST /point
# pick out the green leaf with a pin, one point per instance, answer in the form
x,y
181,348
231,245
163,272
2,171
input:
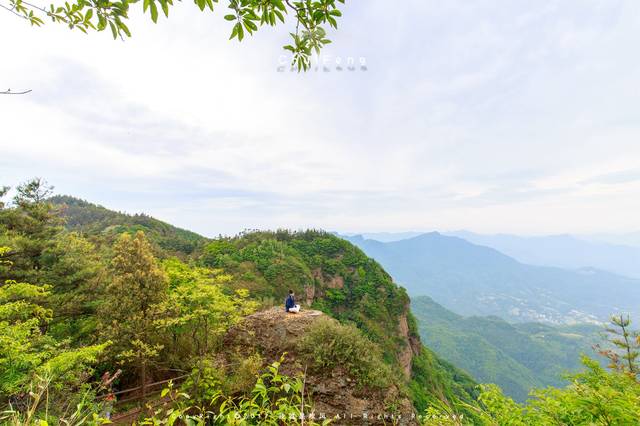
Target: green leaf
x,y
114,31
240,32
154,11
230,17
102,23
165,8
234,32
250,26
124,28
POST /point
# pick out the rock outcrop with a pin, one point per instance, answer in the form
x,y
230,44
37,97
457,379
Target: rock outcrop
x,y
334,393
412,345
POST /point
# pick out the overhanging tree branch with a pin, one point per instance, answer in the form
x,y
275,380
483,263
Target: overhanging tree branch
x,y
9,92
310,16
12,10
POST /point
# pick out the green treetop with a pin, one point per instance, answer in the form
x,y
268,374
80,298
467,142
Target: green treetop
x,y
132,304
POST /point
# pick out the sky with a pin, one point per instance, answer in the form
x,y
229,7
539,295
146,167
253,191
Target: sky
x,y
492,116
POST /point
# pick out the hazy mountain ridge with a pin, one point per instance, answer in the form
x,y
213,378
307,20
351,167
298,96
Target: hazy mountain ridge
x,y
564,251
627,239
616,253
475,280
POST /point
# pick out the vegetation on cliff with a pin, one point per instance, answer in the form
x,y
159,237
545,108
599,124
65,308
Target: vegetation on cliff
x,y
99,307
88,292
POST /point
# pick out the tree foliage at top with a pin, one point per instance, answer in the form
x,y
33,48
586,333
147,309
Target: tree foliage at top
x,y
310,18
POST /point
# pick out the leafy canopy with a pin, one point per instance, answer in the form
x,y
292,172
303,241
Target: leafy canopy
x,y
310,17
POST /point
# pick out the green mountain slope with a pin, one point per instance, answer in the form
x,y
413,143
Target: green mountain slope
x,y
518,357
326,272
334,276
477,280
94,220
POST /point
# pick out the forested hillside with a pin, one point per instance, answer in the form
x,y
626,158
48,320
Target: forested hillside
x,y
97,324
104,225
89,292
517,357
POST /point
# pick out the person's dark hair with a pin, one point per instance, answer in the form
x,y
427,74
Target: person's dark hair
x,y
290,291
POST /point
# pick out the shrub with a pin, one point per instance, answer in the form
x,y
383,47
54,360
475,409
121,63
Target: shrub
x,y
204,382
244,374
329,344
209,378
275,399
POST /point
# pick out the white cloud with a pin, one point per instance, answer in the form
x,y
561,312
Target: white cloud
x,y
492,116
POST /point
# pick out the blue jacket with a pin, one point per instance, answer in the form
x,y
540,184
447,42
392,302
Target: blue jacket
x,y
289,303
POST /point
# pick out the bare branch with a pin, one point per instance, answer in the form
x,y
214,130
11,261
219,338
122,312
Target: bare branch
x,y
13,11
9,92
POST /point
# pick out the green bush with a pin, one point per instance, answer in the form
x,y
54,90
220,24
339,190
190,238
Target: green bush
x,y
204,382
329,344
208,378
244,374
275,399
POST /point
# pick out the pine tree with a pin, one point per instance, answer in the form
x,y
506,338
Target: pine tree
x,y
73,267
43,254
29,226
128,316
626,343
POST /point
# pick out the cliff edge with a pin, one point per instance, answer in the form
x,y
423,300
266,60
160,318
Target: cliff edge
x,y
336,393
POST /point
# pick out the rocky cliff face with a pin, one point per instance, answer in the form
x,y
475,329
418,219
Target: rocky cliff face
x,y
411,347
411,344
335,394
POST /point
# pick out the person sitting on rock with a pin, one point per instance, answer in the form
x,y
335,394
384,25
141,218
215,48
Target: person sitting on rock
x,y
290,304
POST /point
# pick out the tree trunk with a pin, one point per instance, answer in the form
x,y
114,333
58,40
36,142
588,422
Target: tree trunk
x,y
143,379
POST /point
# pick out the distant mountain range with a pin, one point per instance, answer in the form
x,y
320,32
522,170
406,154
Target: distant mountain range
x,y
518,357
617,253
564,251
386,237
470,279
626,239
